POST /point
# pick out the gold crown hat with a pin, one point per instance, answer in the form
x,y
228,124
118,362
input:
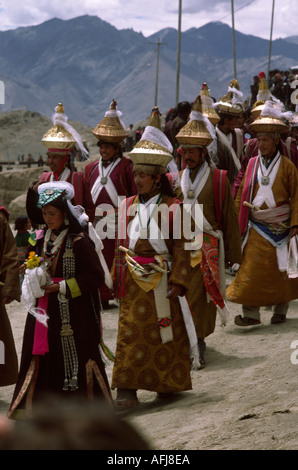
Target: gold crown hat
x,y
208,105
62,136
154,148
198,132
232,102
262,96
271,119
110,128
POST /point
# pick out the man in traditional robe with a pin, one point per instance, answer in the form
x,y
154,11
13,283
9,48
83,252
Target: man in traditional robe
x,y
267,203
60,141
151,270
9,291
230,138
109,179
251,149
221,244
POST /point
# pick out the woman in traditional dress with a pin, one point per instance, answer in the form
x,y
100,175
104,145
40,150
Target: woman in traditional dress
x,y
152,346
62,337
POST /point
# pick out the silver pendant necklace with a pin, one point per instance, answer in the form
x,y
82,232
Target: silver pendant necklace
x,y
265,179
104,179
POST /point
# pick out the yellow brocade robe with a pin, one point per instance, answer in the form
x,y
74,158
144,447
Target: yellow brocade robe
x,y
142,361
258,281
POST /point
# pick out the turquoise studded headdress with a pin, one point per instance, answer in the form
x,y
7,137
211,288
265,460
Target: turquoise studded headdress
x,y
49,192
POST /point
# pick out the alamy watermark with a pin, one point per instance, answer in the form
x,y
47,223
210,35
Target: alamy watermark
x,y
294,355
2,353
294,94
152,222
2,93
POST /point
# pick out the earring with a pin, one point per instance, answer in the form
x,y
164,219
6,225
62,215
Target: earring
x,y
66,221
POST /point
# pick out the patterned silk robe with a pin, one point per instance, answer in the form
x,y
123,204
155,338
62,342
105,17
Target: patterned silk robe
x,y
142,360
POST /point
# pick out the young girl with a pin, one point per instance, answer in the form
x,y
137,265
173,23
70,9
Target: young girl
x,y
62,356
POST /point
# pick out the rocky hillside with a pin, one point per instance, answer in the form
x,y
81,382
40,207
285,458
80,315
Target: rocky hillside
x,y
85,62
21,133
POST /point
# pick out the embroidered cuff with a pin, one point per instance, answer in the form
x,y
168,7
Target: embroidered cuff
x,y
62,287
75,291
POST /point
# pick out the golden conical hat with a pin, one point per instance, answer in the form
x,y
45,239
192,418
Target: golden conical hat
x,y
207,107
195,132
269,123
110,128
58,137
263,95
153,148
226,105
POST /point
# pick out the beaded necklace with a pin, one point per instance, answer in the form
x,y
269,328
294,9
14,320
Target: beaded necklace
x,y
70,357
50,247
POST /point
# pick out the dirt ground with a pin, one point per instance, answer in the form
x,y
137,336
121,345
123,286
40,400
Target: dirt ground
x,y
245,398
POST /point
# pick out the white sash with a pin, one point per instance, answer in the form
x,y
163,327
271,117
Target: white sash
x,y
157,242
265,193
225,141
109,186
197,185
160,292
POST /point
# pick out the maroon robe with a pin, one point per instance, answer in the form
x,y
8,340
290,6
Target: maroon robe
x,y
123,180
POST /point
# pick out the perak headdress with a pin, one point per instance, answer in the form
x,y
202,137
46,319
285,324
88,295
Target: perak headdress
x,y
153,152
110,128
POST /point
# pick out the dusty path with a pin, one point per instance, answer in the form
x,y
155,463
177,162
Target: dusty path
x,y
246,397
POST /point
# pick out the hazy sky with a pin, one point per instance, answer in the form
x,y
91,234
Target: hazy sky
x,y
149,16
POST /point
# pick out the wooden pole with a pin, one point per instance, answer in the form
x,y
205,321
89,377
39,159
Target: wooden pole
x,y
158,44
178,52
270,41
234,46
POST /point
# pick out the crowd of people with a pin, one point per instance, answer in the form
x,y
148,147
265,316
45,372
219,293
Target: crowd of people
x,y
155,231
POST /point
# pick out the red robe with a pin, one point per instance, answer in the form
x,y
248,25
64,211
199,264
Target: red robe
x,y
123,180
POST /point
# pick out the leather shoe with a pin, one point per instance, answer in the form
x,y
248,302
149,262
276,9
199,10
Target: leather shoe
x,y
245,321
277,318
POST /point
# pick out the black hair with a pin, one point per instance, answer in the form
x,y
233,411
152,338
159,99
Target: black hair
x,y
184,107
74,226
35,213
115,145
21,222
224,116
164,185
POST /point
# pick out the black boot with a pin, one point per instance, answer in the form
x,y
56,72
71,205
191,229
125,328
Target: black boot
x,y
201,349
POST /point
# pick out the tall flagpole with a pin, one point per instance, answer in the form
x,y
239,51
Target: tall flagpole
x,y
234,47
270,42
158,44
178,52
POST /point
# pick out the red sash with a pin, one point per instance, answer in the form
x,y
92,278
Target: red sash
x,y
40,344
209,269
219,187
247,193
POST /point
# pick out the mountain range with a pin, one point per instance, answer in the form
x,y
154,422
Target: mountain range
x,y
85,62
